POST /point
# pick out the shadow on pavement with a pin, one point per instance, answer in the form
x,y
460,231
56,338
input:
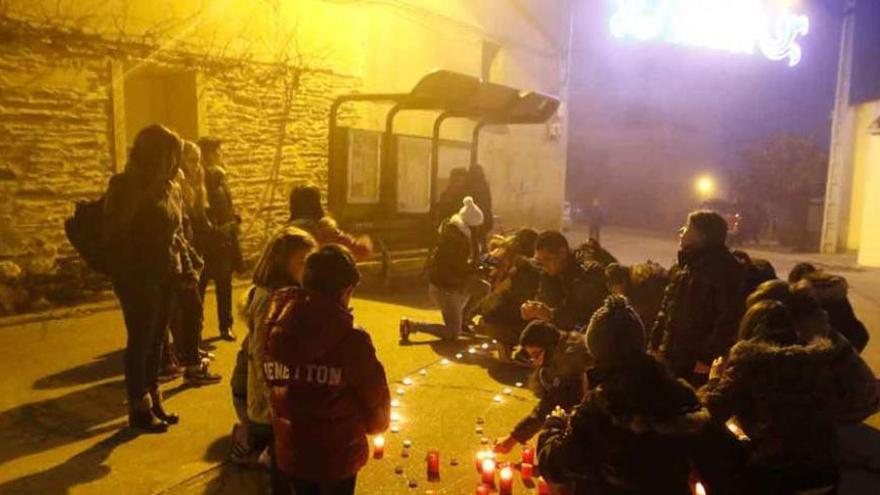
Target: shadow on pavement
x,y
100,368
84,467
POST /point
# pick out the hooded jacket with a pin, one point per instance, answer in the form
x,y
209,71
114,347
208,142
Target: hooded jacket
x,y
701,308
633,434
783,398
831,292
328,389
560,382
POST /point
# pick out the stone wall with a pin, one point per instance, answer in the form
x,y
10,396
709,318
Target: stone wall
x,y
57,132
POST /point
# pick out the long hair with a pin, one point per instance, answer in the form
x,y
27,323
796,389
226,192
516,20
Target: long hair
x,y
305,203
271,271
155,155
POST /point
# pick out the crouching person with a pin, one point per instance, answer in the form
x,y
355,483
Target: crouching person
x,y
562,360
633,432
328,389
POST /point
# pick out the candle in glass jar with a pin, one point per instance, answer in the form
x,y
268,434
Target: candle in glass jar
x,y
506,477
378,446
488,471
481,456
433,465
525,471
483,489
528,455
543,487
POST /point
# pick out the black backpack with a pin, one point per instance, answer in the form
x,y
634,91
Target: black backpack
x,y
84,231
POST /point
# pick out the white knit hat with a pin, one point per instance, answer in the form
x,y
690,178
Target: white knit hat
x,y
470,213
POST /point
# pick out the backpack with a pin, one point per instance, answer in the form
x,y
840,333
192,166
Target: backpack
x,y
84,231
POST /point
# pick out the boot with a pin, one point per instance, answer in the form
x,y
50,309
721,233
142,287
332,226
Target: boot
x,y
159,411
141,418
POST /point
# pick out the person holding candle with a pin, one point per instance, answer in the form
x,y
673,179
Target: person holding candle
x,y
633,433
328,389
561,359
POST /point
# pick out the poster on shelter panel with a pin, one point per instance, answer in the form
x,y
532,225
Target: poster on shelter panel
x,y
413,174
364,169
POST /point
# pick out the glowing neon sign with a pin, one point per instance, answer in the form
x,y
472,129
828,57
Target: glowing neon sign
x,y
740,26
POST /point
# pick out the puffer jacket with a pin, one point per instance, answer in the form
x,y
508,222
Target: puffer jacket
x,y
783,398
450,264
701,309
560,382
328,389
633,434
831,292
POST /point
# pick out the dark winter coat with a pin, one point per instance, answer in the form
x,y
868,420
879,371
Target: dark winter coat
x,y
701,309
559,382
328,389
783,398
222,251
502,306
142,231
856,393
831,292
633,434
575,294
645,288
450,264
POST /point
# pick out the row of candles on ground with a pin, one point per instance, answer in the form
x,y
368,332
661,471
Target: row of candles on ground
x,y
486,465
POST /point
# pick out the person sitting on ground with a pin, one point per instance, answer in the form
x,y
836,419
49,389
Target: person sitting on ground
x,y
856,394
643,285
561,359
307,213
634,430
569,292
831,292
758,270
328,390
703,302
280,268
453,280
781,394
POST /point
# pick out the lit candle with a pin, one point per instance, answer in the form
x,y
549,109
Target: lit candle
x,y
400,391
395,416
378,446
506,477
433,465
484,346
407,381
471,350
699,489
497,398
518,384
543,487
481,456
395,403
459,355
507,391
489,471
423,372
482,489
444,361
525,471
395,428
528,455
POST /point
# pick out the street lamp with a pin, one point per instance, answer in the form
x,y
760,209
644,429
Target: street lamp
x,y
705,186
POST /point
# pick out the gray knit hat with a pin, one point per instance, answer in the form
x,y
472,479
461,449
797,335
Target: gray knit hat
x,y
616,335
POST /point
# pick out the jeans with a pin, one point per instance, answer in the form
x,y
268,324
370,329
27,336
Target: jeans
x,y
222,277
186,324
456,307
303,487
145,309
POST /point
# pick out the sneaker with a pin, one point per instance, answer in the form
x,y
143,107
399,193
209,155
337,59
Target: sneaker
x,y
170,372
200,375
405,330
207,355
227,334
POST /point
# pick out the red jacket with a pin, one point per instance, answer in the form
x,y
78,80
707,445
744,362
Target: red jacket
x,y
328,389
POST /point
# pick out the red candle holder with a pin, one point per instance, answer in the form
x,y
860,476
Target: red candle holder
x,y
481,456
488,471
378,446
526,472
505,481
483,489
433,465
543,487
528,455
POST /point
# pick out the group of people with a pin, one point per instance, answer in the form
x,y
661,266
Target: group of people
x,y
647,378
650,379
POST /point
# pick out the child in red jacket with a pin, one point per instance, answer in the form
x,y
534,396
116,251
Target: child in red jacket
x,y
328,389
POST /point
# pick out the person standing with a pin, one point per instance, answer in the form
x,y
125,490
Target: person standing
x,y
596,218
702,303
222,251
568,292
141,235
327,388
454,282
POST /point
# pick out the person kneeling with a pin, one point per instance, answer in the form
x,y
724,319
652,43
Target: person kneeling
x,y
634,430
328,389
562,360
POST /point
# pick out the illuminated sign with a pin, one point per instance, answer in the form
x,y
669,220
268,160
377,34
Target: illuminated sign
x,y
740,26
